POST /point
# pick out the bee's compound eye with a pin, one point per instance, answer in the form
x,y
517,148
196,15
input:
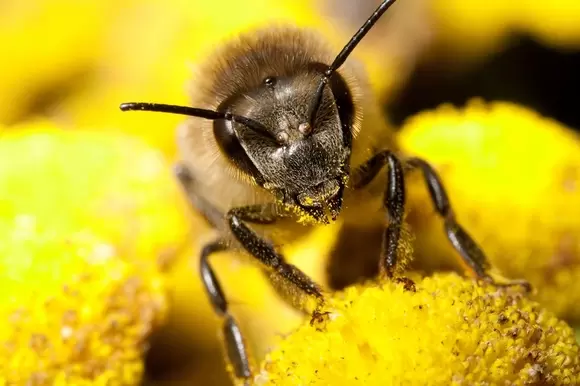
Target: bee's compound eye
x,y
230,146
270,81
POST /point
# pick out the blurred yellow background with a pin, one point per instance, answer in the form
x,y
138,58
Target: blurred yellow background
x,y
71,63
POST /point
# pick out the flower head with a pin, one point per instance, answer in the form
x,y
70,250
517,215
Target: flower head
x,y
445,330
82,255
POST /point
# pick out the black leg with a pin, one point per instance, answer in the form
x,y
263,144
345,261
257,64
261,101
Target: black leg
x,y
467,248
265,252
234,342
260,249
393,201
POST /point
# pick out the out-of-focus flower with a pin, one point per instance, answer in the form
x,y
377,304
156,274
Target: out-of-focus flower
x,y
109,53
556,23
475,28
49,48
513,178
88,223
453,31
450,331
98,248
391,49
467,30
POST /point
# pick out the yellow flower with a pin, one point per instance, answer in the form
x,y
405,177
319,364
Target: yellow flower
x,y
513,178
451,331
87,224
476,28
556,23
470,29
49,49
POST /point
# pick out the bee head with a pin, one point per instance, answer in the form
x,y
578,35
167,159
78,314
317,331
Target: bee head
x,y
299,155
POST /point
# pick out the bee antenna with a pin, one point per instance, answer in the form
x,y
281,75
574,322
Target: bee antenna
x,y
343,55
193,112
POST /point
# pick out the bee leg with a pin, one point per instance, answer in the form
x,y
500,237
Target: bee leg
x,y
463,243
234,342
393,201
265,252
236,218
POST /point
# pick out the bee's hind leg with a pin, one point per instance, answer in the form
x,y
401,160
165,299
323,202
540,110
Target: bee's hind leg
x,y
232,335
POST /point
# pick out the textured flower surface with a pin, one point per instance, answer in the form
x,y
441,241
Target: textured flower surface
x,y
446,330
81,255
513,177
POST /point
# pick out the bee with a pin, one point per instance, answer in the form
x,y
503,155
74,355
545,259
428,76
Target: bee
x,y
278,139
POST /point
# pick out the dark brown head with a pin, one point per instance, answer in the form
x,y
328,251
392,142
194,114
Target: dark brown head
x,y
284,117
302,161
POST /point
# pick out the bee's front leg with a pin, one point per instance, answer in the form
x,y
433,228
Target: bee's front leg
x,y
260,249
263,251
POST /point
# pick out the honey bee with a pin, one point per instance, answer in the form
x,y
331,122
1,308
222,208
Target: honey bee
x,y
278,138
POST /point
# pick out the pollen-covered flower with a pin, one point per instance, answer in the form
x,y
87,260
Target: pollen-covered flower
x,y
88,222
513,178
445,330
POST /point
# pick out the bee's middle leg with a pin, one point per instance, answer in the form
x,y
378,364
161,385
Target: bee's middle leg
x,y
211,214
393,201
